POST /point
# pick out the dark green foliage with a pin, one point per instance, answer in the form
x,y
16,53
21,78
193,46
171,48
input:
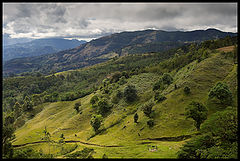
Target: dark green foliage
x,y
222,93
186,90
147,108
136,118
117,96
159,97
122,80
191,148
223,124
158,85
175,86
61,140
115,77
167,78
94,99
28,153
130,93
7,135
198,112
17,109
27,105
150,123
103,106
76,106
218,139
96,122
104,156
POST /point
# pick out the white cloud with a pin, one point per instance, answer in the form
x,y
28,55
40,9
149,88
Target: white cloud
x,y
92,20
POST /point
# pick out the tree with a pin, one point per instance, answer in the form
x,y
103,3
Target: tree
x,y
103,106
7,135
27,105
94,99
17,108
218,138
147,108
130,93
150,123
158,85
159,97
198,112
61,140
96,122
186,90
76,106
136,118
223,124
167,78
222,93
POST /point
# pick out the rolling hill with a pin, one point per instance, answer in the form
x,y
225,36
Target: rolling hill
x,y
120,136
104,48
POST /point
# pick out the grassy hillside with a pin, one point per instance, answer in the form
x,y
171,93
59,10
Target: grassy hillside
x,y
120,137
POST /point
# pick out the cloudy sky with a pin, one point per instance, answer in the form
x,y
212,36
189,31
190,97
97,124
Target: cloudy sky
x,y
92,20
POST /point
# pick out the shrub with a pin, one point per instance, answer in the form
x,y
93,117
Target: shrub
x,y
122,80
159,97
130,93
198,112
76,106
147,108
103,106
150,123
167,78
186,90
136,118
94,99
222,93
158,85
96,122
117,96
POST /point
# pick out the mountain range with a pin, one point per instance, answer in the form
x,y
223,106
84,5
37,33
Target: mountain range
x,y
105,48
38,47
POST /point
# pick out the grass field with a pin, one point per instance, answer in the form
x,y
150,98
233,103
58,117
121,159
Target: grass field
x,y
132,138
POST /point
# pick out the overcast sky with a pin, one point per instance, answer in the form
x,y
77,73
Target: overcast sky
x,y
93,20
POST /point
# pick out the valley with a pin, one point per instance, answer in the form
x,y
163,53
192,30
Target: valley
x,y
70,133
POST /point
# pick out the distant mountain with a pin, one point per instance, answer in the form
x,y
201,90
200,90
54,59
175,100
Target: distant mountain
x,y
7,40
38,47
117,44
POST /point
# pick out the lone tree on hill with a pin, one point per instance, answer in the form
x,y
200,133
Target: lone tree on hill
x,y
103,106
221,92
198,112
136,118
76,106
96,122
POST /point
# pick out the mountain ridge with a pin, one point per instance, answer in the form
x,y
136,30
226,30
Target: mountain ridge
x,y
85,54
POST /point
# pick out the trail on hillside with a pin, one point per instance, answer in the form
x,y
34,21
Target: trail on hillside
x,y
175,139
68,141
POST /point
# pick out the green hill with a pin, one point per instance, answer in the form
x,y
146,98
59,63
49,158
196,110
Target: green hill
x,y
120,136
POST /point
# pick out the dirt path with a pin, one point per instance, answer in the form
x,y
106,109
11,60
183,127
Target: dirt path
x,y
68,141
177,138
